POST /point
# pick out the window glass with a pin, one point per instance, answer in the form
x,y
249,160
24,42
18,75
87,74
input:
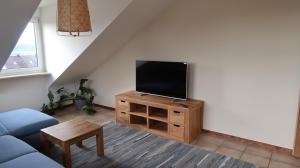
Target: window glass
x,y
24,55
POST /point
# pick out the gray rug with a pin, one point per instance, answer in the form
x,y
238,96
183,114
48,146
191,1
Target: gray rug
x,y
132,148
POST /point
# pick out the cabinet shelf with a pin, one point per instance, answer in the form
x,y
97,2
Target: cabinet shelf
x,y
161,119
158,125
138,121
140,114
158,115
138,108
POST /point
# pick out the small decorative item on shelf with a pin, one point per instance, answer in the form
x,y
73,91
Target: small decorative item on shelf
x,y
82,98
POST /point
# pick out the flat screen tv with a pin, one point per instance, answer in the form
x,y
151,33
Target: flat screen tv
x,y
167,79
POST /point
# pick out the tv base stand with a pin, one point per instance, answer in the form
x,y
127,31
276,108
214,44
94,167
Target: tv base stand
x,y
181,120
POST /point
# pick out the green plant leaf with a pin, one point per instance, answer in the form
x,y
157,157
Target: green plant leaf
x,y
60,90
50,96
83,81
89,109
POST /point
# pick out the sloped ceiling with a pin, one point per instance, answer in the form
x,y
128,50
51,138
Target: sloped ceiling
x,y
61,51
134,17
14,16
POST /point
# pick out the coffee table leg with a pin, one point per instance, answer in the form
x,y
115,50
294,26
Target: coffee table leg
x,y
100,143
67,156
45,144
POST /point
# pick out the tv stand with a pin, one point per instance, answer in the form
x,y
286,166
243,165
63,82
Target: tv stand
x,y
176,100
180,121
143,94
182,105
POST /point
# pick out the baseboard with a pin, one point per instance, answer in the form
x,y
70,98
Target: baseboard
x,y
251,142
105,107
248,141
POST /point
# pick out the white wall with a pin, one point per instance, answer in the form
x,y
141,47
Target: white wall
x,y
244,60
131,20
23,92
61,51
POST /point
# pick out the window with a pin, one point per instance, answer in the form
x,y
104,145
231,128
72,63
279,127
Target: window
x,y
26,56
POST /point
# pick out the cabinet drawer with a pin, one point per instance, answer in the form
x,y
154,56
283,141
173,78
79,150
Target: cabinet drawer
x,y
176,130
123,117
123,105
177,117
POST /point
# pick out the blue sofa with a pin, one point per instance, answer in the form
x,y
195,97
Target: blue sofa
x,y
25,124
18,129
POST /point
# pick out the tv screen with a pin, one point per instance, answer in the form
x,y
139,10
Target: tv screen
x,y
162,78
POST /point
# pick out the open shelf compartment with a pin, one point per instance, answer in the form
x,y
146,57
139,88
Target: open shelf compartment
x,y
138,121
138,108
158,125
159,113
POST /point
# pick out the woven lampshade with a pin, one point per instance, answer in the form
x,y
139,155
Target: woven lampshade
x,y
73,17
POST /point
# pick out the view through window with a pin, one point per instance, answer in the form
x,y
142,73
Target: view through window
x,y
24,55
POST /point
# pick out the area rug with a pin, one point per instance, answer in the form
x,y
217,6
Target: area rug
x,y
132,148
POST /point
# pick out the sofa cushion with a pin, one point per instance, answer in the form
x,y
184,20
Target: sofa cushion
x,y
3,130
32,160
24,122
12,148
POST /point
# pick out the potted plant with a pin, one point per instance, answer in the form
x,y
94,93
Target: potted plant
x,y
51,106
82,98
89,107
83,95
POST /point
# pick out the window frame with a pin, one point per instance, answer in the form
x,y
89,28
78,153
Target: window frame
x,y
39,53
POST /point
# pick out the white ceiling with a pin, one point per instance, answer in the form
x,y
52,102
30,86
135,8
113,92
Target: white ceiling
x,y
19,13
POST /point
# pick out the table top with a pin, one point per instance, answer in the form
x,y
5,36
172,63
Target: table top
x,y
70,130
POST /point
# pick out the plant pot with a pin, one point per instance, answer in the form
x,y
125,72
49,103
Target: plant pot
x,y
79,103
51,112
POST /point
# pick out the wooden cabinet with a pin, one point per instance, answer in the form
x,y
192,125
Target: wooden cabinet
x,y
123,105
179,120
177,117
123,117
177,131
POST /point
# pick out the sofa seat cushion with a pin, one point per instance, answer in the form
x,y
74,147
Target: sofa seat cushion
x,y
11,148
24,122
31,160
3,130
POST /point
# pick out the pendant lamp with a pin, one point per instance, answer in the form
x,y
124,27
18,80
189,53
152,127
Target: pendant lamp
x,y
73,18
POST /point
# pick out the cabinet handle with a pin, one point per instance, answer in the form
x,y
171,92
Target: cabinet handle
x,y
122,101
123,112
175,125
176,112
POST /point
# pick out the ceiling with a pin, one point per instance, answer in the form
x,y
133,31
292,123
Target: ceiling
x,y
19,13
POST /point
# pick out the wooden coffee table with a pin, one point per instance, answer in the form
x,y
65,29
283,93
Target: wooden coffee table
x,y
72,132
